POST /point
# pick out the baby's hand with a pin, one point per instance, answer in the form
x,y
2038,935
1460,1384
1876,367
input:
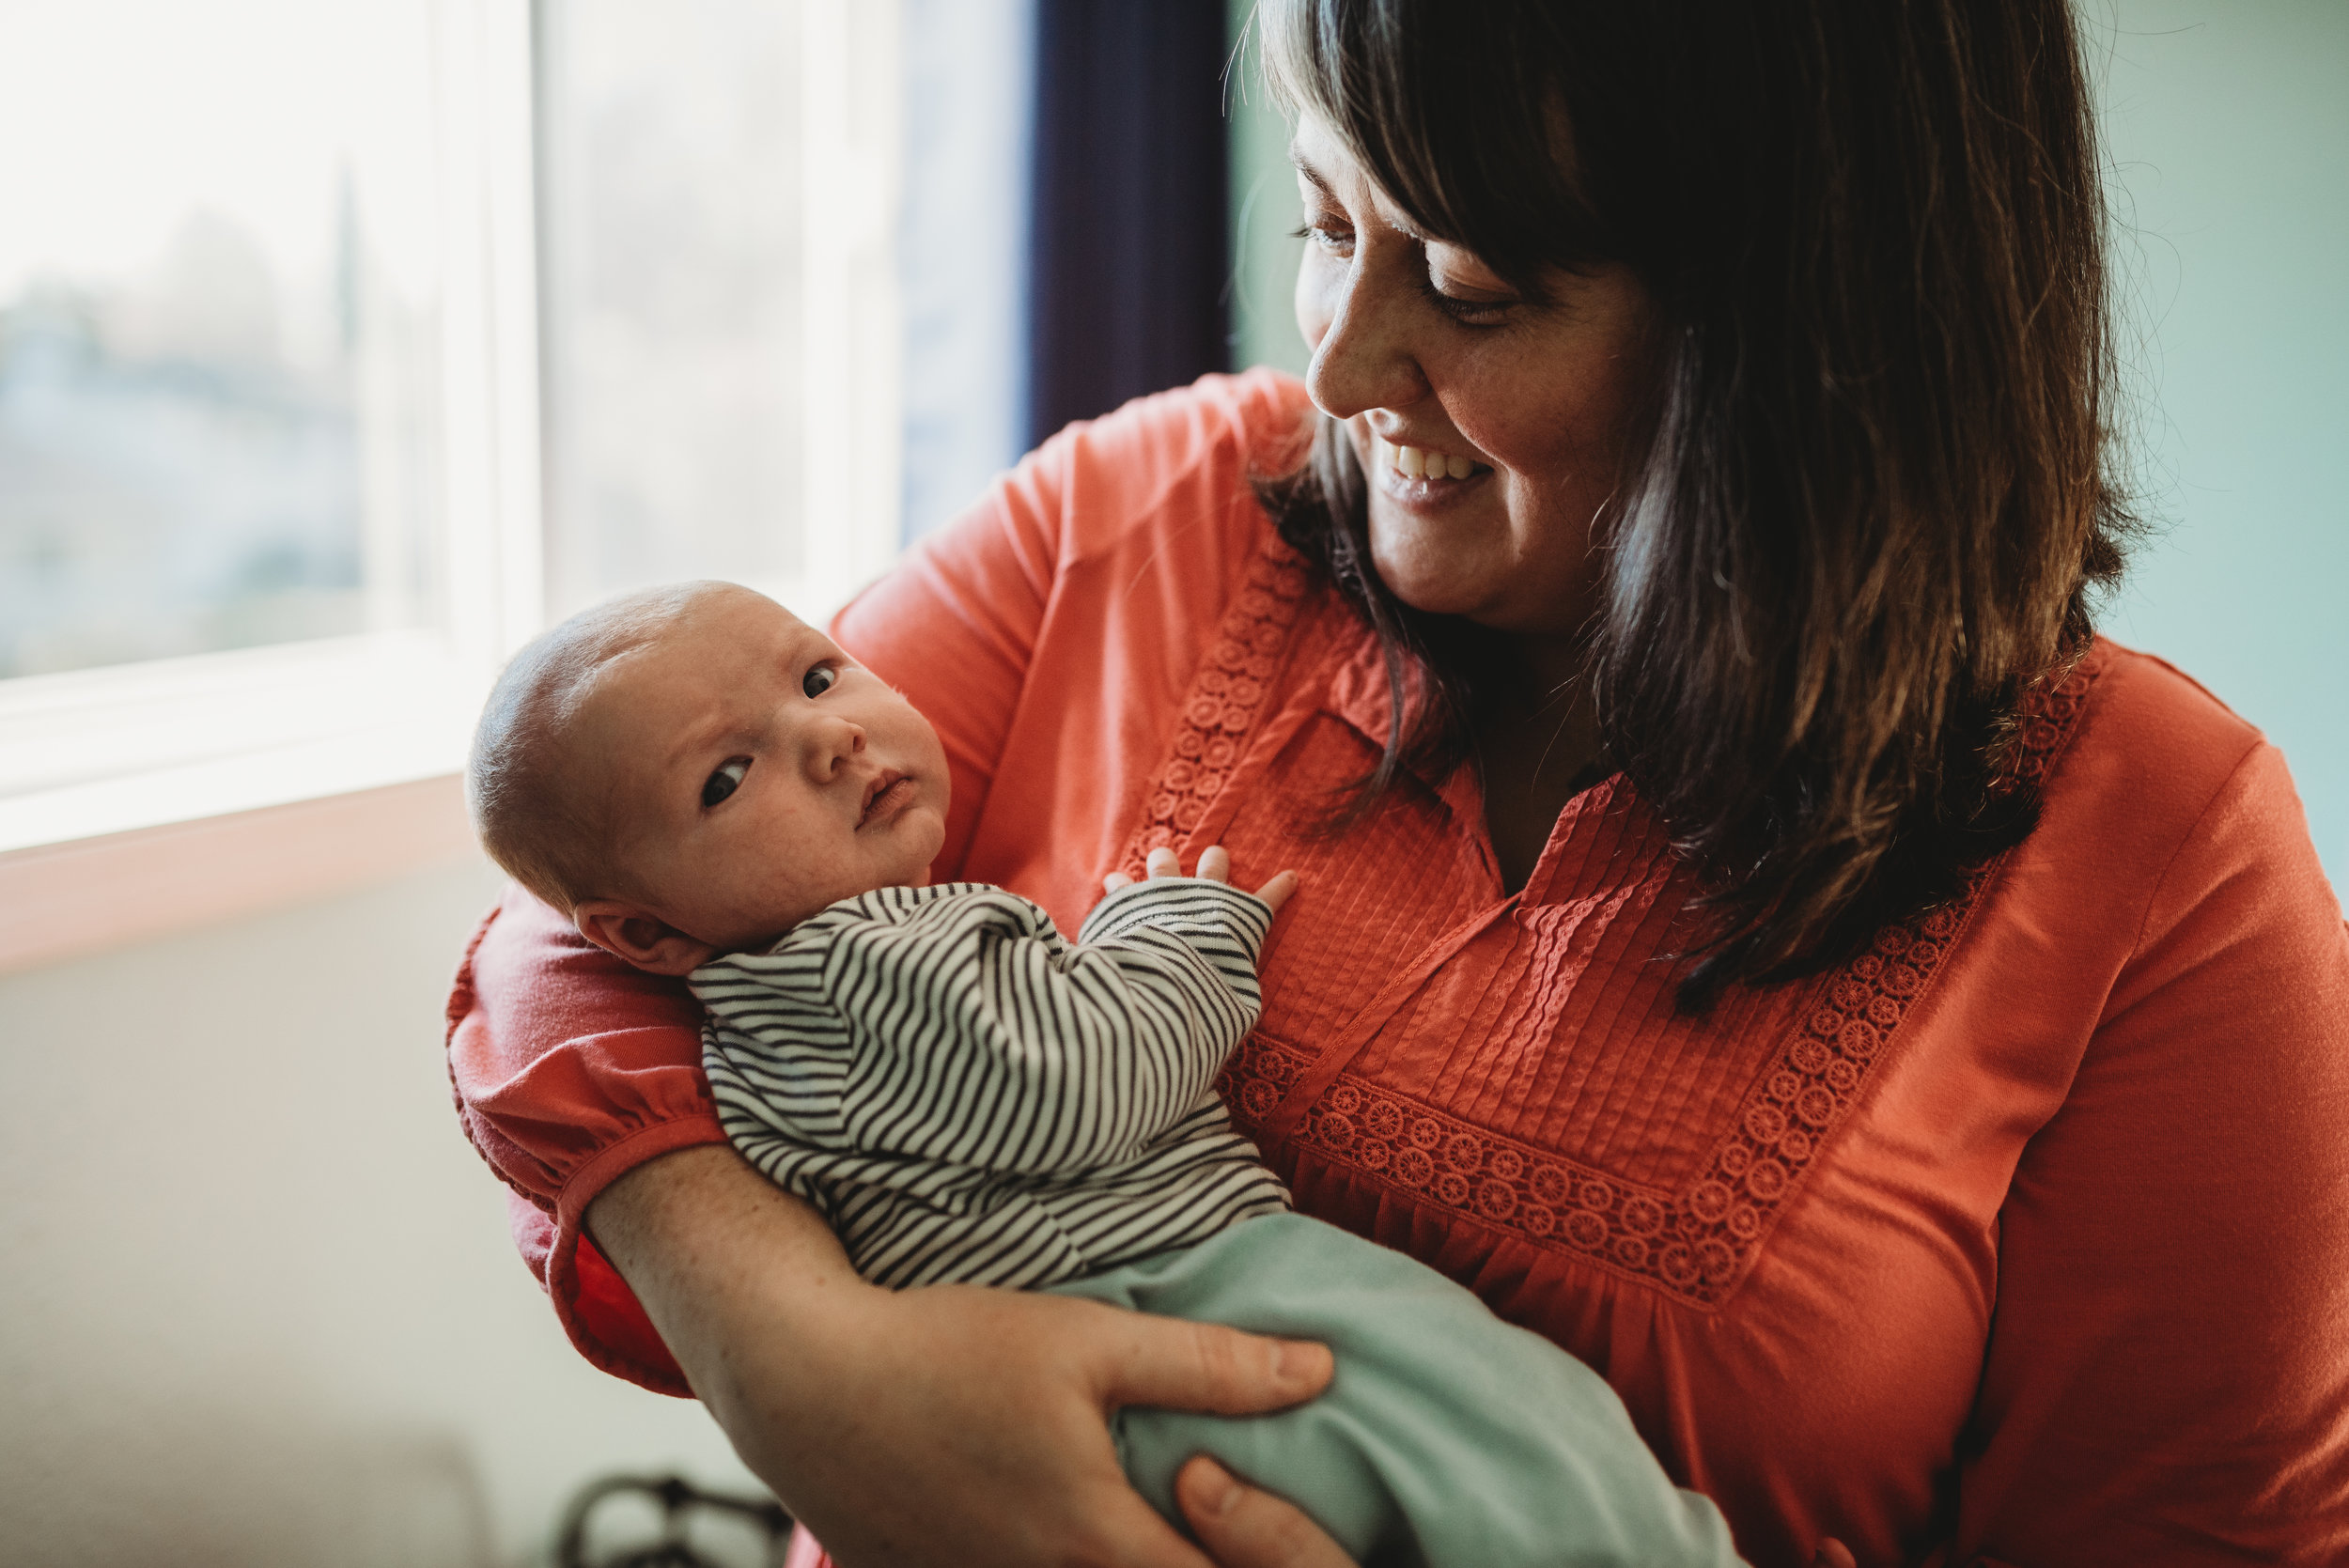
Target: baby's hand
x,y
1216,866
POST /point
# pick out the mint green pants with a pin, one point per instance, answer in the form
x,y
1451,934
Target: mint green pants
x,y
1448,1437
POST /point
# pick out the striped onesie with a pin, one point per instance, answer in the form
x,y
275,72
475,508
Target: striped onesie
x,y
968,1098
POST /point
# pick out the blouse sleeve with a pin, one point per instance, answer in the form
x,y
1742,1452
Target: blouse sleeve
x,y
2168,1375
570,1068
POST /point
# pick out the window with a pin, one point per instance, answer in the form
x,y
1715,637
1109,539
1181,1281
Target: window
x,y
718,190
273,305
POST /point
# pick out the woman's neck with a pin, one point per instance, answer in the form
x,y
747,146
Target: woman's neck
x,y
1537,746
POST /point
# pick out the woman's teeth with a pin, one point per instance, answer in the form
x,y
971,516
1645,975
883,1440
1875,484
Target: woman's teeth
x,y
1417,462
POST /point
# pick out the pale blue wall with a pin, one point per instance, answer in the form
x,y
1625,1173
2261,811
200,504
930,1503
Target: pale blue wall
x,y
2228,126
1265,212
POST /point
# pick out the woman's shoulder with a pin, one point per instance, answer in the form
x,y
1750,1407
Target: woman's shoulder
x,y
2160,799
2154,1003
2145,748
1258,420
1176,463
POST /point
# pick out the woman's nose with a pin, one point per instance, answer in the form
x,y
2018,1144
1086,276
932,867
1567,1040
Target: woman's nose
x,y
1363,357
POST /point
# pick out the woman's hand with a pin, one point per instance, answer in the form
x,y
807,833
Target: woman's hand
x,y
1245,1526
953,1425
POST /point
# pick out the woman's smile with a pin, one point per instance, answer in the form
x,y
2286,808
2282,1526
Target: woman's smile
x,y
1423,480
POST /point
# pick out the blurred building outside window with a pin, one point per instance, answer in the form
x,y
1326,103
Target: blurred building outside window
x,y
343,344
267,441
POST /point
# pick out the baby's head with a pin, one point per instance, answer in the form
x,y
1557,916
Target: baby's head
x,y
693,771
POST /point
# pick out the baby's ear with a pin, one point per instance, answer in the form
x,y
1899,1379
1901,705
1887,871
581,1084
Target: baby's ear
x,y
626,931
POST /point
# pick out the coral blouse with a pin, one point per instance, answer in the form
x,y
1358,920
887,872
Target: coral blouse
x,y
2022,1237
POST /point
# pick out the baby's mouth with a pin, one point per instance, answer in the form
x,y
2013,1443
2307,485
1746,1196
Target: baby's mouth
x,y
884,795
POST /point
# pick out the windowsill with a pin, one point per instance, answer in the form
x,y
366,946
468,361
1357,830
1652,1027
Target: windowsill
x,y
156,798
69,900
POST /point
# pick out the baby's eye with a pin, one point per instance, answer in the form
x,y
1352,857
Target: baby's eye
x,y
820,680
724,782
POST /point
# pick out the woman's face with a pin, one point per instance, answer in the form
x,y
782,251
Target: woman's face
x,y
1492,428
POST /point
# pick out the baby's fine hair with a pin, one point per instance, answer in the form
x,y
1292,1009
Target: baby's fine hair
x,y
540,818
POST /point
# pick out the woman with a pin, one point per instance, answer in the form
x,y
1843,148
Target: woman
x,y
1752,931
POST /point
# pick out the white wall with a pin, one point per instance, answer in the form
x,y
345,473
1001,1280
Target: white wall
x,y
260,1306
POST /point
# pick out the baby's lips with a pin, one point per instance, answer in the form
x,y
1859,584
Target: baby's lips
x,y
874,790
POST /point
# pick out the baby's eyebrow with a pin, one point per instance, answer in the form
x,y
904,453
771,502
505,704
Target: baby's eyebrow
x,y
702,736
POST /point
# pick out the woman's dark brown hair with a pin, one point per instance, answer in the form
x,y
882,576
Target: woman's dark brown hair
x,y
1873,497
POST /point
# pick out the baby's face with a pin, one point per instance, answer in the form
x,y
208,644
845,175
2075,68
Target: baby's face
x,y
758,774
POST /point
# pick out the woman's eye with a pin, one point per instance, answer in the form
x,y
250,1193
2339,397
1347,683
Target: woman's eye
x,y
1461,307
724,782
1325,236
820,680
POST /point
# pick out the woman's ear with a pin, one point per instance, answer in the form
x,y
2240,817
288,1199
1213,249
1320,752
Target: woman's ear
x,y
626,931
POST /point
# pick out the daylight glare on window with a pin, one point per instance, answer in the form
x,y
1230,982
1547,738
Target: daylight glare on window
x,y
670,149
217,363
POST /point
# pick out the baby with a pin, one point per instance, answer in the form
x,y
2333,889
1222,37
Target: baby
x,y
714,790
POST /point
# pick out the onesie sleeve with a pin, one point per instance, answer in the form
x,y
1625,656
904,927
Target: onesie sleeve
x,y
2168,1375
1080,1056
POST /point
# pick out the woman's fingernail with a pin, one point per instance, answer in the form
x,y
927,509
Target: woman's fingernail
x,y
1298,1363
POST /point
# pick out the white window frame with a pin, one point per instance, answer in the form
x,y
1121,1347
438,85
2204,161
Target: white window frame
x,y
148,798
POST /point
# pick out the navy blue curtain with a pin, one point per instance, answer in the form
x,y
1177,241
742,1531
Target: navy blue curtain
x,y
1128,253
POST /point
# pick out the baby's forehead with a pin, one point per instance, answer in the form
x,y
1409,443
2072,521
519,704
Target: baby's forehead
x,y
732,597
692,662
719,625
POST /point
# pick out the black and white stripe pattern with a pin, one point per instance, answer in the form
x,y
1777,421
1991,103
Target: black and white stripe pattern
x,y
967,1096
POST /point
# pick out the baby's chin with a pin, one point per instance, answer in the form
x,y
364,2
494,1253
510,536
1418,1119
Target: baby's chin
x,y
761,929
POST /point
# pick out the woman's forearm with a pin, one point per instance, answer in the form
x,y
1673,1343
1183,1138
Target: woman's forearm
x,y
952,1424
722,1259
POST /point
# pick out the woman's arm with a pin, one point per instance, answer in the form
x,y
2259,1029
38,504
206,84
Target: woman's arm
x,y
950,1425
2168,1375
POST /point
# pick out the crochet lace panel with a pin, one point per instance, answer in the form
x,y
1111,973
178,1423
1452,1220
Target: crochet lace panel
x,y
1226,697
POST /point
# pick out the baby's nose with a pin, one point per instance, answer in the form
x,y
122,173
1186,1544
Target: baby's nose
x,y
834,743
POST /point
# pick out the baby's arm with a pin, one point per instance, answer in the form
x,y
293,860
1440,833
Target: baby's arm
x,y
990,1043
